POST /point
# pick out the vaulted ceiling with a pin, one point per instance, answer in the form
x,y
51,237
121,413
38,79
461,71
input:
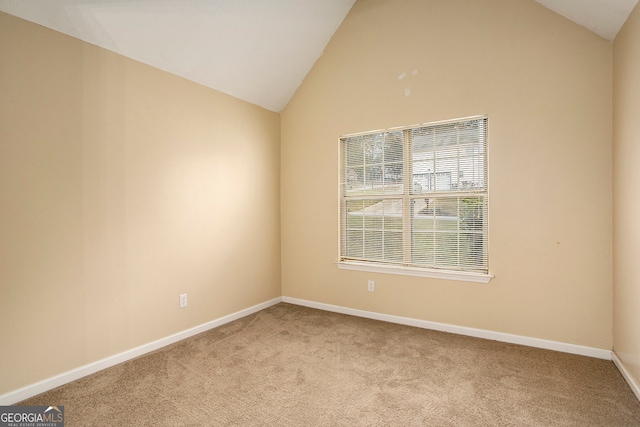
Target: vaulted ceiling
x,y
603,17
255,50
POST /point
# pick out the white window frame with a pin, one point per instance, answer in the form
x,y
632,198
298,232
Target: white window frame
x,y
409,270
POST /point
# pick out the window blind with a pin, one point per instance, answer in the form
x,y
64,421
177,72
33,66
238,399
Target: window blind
x,y
416,196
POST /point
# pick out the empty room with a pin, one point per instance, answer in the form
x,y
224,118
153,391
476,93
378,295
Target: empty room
x,y
320,212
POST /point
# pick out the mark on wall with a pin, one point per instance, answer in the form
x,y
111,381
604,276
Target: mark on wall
x,y
403,75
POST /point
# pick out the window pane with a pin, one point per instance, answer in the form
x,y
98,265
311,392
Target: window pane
x,y
423,218
422,140
372,219
373,245
446,214
393,147
373,177
422,249
446,249
355,244
445,135
354,148
354,181
393,246
354,222
468,132
393,221
472,213
394,174
373,164
472,171
445,169
473,226
471,250
373,148
354,214
423,178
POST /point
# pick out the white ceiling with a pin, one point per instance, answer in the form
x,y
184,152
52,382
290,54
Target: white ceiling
x,y
255,50
603,17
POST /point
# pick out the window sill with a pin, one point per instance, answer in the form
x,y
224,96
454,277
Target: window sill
x,y
463,276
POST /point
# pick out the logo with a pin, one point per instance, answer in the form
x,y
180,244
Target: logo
x,y
31,416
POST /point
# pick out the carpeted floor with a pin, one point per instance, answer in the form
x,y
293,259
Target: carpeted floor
x,y
295,366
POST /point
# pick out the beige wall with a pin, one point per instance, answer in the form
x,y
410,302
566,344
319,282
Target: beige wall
x,y
626,200
121,187
116,183
545,84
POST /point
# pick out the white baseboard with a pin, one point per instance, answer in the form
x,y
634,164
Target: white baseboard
x,y
66,377
58,380
626,375
460,330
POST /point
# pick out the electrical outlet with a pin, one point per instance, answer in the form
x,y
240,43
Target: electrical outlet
x,y
371,286
183,300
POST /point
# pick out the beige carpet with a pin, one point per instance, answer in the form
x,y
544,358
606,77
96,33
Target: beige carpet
x,y
295,366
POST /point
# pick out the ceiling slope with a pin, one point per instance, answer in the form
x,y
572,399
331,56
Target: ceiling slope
x,y
256,50
603,17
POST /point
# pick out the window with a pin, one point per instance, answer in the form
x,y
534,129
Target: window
x,y
415,200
